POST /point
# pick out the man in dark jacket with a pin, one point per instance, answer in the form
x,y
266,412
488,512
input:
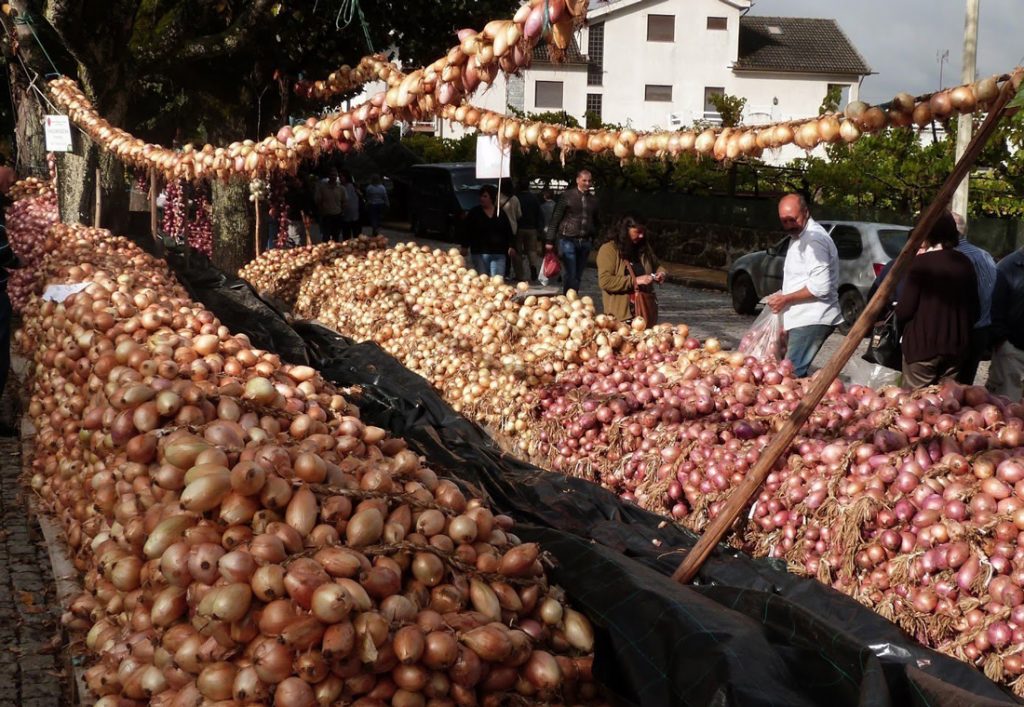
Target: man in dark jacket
x,y
1006,376
574,225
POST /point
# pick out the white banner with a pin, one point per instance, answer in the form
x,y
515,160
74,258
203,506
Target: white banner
x,y
58,133
493,160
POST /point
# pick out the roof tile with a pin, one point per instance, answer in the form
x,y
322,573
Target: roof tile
x,y
573,55
797,44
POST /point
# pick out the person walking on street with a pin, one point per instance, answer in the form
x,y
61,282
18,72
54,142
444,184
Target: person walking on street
x,y
350,211
809,299
376,202
1006,375
512,209
7,260
937,308
297,208
985,271
330,204
623,263
547,205
531,223
489,233
574,225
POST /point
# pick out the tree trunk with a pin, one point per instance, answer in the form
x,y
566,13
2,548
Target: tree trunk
x,y
30,145
233,225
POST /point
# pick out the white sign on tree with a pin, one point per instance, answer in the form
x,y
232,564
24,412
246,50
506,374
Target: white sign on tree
x,y
58,133
493,160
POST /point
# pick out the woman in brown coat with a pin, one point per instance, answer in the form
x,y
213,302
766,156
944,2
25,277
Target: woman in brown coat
x,y
614,279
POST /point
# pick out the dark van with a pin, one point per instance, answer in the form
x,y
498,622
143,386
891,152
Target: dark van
x,y
440,195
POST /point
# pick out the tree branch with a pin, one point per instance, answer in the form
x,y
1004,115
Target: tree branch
x,y
225,43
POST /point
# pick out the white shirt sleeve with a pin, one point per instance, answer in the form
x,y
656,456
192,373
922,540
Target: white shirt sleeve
x,y
819,272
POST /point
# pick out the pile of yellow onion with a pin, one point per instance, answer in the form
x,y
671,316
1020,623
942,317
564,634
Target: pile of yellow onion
x,y
467,334
280,272
245,538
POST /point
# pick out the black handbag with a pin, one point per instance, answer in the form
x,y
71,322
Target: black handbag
x,y
884,345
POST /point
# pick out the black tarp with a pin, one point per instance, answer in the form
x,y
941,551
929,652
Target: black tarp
x,y
747,632
236,303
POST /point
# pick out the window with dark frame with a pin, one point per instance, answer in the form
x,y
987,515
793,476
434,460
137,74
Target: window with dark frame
x,y
849,244
661,28
718,23
548,94
594,104
595,55
658,92
710,111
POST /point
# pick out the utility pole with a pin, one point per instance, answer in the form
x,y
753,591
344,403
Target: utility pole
x,y
941,56
965,123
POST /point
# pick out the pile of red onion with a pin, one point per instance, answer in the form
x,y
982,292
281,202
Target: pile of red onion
x,y
199,231
245,538
175,217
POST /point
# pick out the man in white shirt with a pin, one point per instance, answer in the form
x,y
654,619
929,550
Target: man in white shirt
x,y
809,300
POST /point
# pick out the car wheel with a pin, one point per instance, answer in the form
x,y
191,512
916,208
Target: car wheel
x,y
744,296
851,304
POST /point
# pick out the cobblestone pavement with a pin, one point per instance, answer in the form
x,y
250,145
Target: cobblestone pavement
x,y
30,638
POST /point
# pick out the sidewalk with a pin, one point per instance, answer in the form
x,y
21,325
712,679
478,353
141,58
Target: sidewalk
x,y
678,273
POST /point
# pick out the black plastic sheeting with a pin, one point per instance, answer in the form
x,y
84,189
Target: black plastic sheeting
x,y
236,304
748,633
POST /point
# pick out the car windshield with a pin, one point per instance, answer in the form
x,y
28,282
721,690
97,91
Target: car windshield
x,y
465,180
892,240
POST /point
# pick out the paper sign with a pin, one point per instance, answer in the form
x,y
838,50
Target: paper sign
x,y
59,293
58,133
493,160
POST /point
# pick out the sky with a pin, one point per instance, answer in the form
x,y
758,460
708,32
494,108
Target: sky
x,y
899,39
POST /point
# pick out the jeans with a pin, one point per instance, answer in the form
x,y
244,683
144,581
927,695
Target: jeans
x,y
376,210
490,263
1006,375
804,344
575,252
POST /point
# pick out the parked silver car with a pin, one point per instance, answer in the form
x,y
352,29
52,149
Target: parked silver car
x,y
864,249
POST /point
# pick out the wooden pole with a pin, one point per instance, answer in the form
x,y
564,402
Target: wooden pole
x,y
742,494
152,203
257,202
158,244
99,200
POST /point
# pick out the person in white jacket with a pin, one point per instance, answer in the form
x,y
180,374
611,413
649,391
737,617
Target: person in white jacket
x,y
809,299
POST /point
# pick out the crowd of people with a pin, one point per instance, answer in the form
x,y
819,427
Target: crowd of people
x,y
953,308
330,207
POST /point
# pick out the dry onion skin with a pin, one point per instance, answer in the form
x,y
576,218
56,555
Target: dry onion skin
x,y
243,534
911,502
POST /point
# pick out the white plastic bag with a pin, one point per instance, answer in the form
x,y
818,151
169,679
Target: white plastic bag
x,y
766,338
857,371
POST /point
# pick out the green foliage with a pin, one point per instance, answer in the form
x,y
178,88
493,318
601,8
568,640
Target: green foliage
x,y
830,103
431,149
729,107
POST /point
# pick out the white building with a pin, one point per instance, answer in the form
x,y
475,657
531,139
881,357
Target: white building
x,y
655,63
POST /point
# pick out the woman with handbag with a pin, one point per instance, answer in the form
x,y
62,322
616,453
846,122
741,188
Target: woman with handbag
x,y
626,272
937,308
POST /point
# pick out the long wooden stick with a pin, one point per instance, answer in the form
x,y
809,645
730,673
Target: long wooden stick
x,y
739,498
99,200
